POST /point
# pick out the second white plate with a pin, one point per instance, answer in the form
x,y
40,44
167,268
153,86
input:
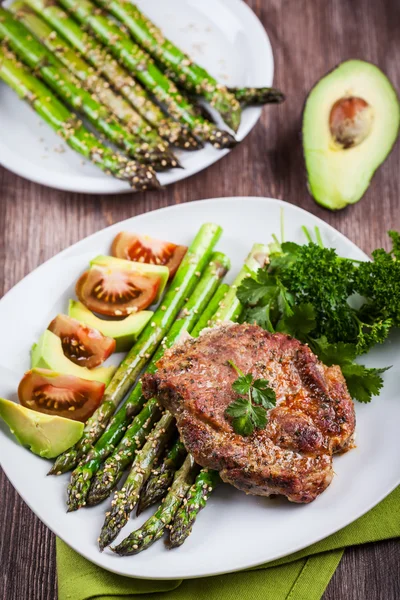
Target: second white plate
x,y
225,36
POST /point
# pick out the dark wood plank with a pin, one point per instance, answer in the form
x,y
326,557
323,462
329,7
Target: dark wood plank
x,y
308,38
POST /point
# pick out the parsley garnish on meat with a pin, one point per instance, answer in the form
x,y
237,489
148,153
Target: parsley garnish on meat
x,y
309,291
249,410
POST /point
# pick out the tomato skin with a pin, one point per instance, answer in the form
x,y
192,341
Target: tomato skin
x,y
143,248
63,395
85,346
116,292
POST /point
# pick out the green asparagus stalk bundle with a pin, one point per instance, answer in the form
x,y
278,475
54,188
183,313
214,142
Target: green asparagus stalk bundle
x,y
184,282
140,428
65,123
154,527
144,69
114,467
159,155
257,96
161,478
195,500
181,69
51,70
118,76
126,499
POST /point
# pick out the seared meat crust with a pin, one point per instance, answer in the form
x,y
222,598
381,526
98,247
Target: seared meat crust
x,y
313,419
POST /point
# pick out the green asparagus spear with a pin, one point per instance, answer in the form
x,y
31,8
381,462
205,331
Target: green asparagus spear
x,y
113,469
161,478
144,69
214,305
196,258
126,499
154,527
51,70
66,124
181,69
118,77
257,96
159,155
140,428
196,499
230,308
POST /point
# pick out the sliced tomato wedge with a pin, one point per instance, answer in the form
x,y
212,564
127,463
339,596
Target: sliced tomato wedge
x,y
143,248
83,345
63,395
116,292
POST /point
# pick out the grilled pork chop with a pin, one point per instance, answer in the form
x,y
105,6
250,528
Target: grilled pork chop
x,y
313,418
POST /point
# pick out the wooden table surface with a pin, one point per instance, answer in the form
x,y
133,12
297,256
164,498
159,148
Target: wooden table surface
x,y
309,37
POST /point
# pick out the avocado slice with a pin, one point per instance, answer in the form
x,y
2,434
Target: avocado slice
x,y
141,268
350,123
125,332
45,435
48,354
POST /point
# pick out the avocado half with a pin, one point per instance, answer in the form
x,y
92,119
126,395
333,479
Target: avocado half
x,y
350,123
45,435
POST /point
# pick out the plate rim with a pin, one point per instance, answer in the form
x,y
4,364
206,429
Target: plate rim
x,y
235,568
87,184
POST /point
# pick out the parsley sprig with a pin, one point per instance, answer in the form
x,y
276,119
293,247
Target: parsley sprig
x,y
307,291
249,410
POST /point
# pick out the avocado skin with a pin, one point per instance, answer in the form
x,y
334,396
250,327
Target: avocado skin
x,y
346,183
48,354
124,331
45,435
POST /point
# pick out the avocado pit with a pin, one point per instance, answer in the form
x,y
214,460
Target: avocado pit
x,y
350,121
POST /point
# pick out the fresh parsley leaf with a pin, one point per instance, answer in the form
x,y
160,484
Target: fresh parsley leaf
x,y
300,323
262,393
363,383
333,354
245,415
259,417
256,288
238,408
285,257
259,315
242,385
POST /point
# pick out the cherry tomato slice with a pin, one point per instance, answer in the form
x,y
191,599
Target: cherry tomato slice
x,y
83,345
63,395
143,248
116,292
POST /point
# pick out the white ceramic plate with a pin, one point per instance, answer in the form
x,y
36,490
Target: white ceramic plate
x,y
225,36
234,531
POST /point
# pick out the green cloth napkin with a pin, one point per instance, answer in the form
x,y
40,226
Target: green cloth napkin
x,y
300,576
